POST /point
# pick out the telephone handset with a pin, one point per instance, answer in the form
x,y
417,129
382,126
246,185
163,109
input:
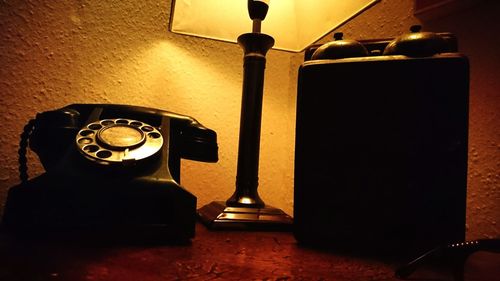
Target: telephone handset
x,y
120,134
109,167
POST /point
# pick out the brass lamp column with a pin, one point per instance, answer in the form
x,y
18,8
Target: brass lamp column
x,y
245,209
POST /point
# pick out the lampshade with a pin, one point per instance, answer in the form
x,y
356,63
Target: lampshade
x,y
294,24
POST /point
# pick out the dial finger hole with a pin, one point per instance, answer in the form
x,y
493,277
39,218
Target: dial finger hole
x,y
95,126
154,135
147,129
121,121
91,148
104,154
107,122
86,133
84,141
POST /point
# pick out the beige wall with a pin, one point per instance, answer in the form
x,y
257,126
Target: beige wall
x,y
53,53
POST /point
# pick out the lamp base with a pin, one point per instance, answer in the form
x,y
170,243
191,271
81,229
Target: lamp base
x,y
217,215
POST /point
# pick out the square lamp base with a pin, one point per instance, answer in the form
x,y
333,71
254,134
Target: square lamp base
x,y
217,215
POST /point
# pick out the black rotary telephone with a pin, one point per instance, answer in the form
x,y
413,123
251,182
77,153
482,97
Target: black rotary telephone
x,y
110,169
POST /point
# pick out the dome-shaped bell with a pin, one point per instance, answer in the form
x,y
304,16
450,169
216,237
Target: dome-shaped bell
x,y
340,48
416,44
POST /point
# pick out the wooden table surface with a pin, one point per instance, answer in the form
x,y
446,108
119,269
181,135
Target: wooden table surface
x,y
211,255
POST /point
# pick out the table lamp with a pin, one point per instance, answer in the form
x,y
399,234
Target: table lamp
x,y
294,24
294,31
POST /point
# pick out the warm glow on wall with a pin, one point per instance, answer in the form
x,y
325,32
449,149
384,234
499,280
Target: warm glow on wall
x,y
293,24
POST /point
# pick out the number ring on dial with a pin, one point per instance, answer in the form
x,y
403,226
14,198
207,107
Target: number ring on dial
x,y
113,141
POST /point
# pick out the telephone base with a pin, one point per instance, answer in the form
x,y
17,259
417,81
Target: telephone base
x,y
217,216
130,210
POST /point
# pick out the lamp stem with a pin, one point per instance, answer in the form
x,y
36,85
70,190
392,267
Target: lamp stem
x,y
245,209
255,46
256,25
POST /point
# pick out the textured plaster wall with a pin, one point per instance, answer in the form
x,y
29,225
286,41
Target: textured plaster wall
x,y
53,53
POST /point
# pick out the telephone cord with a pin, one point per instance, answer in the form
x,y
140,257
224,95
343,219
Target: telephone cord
x,y
23,145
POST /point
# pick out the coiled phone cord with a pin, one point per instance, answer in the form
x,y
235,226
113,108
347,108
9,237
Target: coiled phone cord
x,y
457,253
23,145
